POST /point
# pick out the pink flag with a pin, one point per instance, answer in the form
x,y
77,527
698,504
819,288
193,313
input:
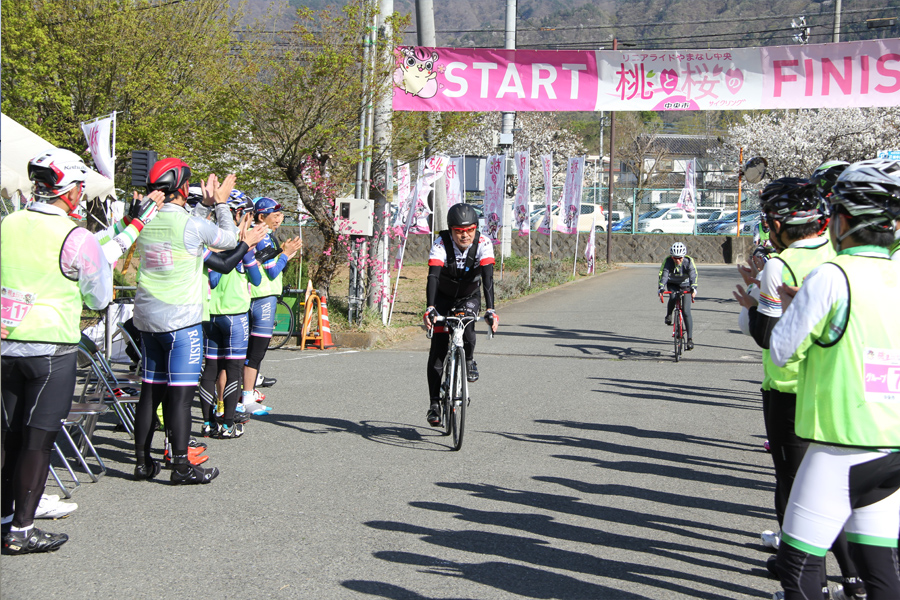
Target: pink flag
x,y
456,181
547,167
688,196
571,208
523,192
101,139
589,250
494,195
403,199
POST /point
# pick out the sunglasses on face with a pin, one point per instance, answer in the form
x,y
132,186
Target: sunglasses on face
x,y
468,229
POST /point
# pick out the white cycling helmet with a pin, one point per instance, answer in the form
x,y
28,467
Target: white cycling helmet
x,y
678,249
55,172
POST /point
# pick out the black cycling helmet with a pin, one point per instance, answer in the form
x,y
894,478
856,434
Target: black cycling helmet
x,y
168,175
870,190
824,176
461,215
791,200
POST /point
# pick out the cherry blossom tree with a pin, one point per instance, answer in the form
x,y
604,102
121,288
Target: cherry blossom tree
x,y
795,142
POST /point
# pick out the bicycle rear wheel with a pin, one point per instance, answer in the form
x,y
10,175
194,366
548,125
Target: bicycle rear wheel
x,y
460,398
679,332
284,325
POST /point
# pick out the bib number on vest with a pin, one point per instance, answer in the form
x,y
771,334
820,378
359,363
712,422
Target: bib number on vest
x,y
881,368
16,304
158,257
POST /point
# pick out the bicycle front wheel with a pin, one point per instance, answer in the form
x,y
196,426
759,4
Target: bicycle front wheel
x,y
284,325
460,399
447,400
679,333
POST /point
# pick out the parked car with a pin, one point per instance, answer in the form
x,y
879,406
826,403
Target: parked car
x,y
585,219
749,221
728,226
625,224
710,225
668,219
705,213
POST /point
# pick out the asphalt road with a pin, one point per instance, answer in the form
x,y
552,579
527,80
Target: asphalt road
x,y
594,466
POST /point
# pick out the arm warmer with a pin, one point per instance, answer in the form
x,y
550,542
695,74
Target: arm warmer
x,y
225,262
431,285
761,327
487,281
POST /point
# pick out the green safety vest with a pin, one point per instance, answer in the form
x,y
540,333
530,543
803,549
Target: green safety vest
x,y
849,390
267,287
170,281
798,263
763,234
31,247
231,296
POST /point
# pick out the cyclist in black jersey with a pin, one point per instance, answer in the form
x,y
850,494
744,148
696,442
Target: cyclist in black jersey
x,y
461,263
679,273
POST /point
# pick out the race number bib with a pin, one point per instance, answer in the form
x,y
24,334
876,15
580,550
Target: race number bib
x,y
158,257
16,304
881,368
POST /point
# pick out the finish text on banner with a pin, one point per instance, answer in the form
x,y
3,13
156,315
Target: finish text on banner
x,y
846,74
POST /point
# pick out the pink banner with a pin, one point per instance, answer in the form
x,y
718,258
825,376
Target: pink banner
x,y
847,74
571,208
494,195
403,198
523,192
456,179
547,168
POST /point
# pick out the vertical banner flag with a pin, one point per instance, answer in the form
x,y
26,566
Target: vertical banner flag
x,y
403,198
101,138
456,183
494,195
571,208
592,241
434,169
687,199
547,168
523,192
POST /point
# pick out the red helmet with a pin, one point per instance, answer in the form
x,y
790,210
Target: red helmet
x,y
168,175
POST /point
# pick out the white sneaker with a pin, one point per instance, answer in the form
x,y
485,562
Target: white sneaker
x,y
771,539
54,509
779,595
255,408
838,592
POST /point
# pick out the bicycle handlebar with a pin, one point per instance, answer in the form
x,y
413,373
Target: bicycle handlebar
x,y
459,320
682,293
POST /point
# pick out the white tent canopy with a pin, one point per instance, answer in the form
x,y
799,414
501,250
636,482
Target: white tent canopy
x,y
18,146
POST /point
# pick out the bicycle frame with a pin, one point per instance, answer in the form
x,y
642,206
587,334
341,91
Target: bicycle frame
x,y
454,382
679,333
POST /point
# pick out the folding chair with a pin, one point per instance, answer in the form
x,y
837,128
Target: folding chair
x,y
104,384
78,415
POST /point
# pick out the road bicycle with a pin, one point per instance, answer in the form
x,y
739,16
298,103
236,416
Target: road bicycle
x,y
284,324
679,333
454,382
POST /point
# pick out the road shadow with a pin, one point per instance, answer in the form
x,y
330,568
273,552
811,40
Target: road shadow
x,y
666,391
527,562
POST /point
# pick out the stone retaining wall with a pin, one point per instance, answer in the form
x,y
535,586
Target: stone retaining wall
x,y
626,247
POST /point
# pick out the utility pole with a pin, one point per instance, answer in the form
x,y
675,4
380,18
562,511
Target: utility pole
x,y
612,183
379,249
506,136
836,36
425,36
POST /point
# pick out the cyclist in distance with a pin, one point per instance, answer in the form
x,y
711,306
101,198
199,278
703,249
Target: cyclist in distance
x,y
460,264
679,273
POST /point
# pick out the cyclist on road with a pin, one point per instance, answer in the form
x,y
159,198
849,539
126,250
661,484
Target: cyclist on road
x,y
460,264
273,258
843,330
168,310
679,273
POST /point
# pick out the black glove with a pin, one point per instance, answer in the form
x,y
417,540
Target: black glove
x,y
490,316
429,317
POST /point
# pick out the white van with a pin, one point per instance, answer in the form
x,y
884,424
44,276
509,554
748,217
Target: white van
x,y
668,219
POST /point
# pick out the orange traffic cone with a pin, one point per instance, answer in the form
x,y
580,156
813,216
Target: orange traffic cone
x,y
325,339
